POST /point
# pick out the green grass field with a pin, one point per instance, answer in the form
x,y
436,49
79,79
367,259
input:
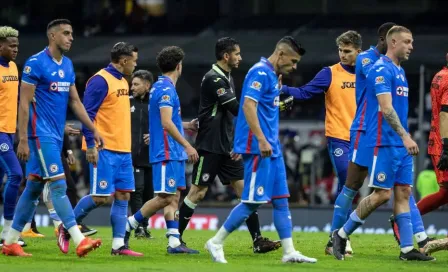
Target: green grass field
x,y
372,253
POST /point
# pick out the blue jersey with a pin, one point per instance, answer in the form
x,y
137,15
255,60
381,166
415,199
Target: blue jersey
x,y
385,78
162,147
364,62
52,80
260,85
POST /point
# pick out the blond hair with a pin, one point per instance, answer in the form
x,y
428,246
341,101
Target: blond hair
x,y
7,32
397,29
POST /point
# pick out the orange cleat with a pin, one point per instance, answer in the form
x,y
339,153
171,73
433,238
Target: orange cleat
x,y
14,250
87,245
31,234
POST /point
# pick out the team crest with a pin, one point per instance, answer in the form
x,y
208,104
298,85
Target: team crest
x,y
205,177
4,147
53,86
103,184
166,98
171,182
61,73
365,61
338,152
54,168
381,176
260,191
27,70
379,80
256,85
221,92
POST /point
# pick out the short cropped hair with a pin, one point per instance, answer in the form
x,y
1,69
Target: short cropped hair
x,y
384,28
58,22
8,32
225,45
168,59
291,42
122,49
144,75
397,29
350,37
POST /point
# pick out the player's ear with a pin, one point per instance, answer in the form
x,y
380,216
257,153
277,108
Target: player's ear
x,y
226,56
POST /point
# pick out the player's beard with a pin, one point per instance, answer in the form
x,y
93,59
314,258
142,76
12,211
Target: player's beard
x,y
62,50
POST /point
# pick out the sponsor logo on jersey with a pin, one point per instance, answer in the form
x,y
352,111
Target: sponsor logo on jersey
x,y
346,85
27,70
221,91
255,85
122,92
9,78
365,61
379,79
166,98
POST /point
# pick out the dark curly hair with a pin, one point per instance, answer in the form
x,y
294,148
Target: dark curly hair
x,y
169,58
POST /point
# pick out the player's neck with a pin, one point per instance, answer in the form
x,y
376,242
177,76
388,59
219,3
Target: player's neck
x,y
393,58
224,66
173,76
118,67
273,60
55,52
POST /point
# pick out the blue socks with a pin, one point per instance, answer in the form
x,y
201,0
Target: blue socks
x,y
405,229
238,215
84,207
118,217
342,207
416,218
282,218
173,228
27,204
61,203
352,223
138,216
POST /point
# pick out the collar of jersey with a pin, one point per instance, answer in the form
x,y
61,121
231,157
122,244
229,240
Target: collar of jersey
x,y
268,64
113,71
165,78
375,50
47,51
4,62
218,69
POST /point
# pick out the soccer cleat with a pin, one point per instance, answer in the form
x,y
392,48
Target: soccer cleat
x,y
21,242
339,245
14,250
415,255
31,234
142,233
87,245
216,251
124,251
181,249
433,245
395,230
86,231
297,257
329,248
264,245
63,239
348,249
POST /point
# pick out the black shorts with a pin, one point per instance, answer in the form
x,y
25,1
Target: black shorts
x,y
210,164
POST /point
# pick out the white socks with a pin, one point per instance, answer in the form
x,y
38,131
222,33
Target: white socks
x,y
342,233
220,236
189,203
12,237
27,227
6,228
117,243
420,236
76,234
131,224
288,246
407,249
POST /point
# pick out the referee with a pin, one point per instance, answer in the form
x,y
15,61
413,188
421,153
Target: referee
x,y
214,142
142,81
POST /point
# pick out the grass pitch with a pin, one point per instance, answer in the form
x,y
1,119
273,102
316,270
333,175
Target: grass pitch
x,y
372,253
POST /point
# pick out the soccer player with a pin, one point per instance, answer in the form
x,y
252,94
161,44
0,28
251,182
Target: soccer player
x,y
9,88
142,81
168,149
48,85
357,168
390,146
338,84
218,106
256,137
106,100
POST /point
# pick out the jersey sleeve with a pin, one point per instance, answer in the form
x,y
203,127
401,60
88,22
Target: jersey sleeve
x,y
382,80
166,99
31,71
73,78
221,90
319,84
255,84
366,64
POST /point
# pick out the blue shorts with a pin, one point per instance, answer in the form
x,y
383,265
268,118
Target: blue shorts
x,y
45,158
390,166
359,153
168,176
114,172
264,179
339,154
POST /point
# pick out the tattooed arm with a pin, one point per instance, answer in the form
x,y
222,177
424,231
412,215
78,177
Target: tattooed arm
x,y
389,113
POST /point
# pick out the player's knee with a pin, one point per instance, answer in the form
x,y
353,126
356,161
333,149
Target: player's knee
x,y
383,195
280,204
403,192
166,199
197,193
100,200
122,195
58,188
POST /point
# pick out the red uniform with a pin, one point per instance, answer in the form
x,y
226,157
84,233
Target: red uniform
x,y
439,98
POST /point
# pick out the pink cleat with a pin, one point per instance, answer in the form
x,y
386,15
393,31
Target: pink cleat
x,y
124,251
63,239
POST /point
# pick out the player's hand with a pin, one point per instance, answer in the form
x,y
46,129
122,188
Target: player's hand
x,y
193,156
92,155
71,158
286,105
98,139
265,148
280,82
235,156
410,145
23,151
194,124
71,131
146,139
443,162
